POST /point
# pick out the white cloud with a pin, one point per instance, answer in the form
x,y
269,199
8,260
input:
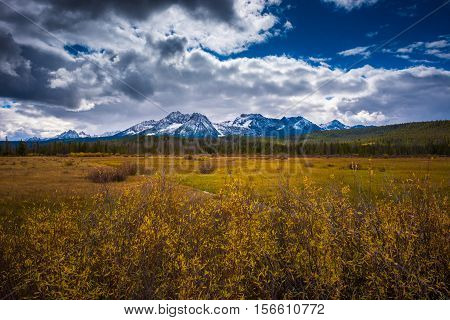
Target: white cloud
x,y
351,4
288,25
364,117
437,44
358,51
254,25
24,121
433,48
371,34
442,55
403,56
62,78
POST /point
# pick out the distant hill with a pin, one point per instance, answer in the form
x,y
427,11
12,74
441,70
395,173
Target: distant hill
x,y
406,133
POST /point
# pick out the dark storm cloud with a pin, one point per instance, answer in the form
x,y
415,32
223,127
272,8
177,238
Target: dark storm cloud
x,y
136,84
171,46
11,62
24,74
136,9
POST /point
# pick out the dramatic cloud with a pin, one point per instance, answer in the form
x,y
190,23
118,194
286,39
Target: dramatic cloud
x,y
351,4
137,9
110,71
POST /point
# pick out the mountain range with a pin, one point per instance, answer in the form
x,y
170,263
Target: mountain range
x,y
198,125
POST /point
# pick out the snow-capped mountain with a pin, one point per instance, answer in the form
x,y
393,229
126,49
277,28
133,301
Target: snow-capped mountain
x,y
256,122
33,139
106,134
175,124
83,135
297,126
258,125
334,125
253,124
69,134
245,124
198,125
137,128
72,134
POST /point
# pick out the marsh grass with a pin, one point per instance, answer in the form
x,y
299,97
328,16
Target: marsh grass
x,y
157,241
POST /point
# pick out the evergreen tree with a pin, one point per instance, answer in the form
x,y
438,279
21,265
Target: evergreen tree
x,y
21,148
7,146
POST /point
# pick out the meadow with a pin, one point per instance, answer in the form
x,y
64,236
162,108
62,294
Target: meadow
x,y
204,227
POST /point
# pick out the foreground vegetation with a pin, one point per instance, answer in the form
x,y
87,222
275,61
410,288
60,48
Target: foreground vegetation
x,y
151,238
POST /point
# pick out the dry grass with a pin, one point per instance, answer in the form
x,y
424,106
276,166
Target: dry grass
x,y
309,241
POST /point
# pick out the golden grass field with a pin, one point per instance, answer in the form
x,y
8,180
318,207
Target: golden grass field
x,y
246,228
40,177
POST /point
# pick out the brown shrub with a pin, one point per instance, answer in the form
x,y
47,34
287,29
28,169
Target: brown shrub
x,y
108,174
207,167
129,169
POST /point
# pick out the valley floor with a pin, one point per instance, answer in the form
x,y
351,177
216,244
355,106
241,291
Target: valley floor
x,y
25,178
201,227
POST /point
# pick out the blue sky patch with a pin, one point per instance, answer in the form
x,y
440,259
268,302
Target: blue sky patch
x,y
77,49
323,30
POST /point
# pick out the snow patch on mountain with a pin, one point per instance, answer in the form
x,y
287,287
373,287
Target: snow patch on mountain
x,y
334,125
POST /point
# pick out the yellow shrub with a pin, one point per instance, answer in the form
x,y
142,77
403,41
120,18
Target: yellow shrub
x,y
159,242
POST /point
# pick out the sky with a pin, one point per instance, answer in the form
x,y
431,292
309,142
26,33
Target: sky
x,y
100,66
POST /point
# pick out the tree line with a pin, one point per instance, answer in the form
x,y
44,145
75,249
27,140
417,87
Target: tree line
x,y
233,145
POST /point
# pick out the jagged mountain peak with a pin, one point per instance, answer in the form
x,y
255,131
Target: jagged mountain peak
x,y
251,115
82,134
69,134
196,124
334,125
177,116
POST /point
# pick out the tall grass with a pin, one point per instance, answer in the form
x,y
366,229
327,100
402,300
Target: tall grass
x,y
307,242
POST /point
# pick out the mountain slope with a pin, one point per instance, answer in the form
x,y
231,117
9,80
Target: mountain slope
x,y
334,125
197,126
